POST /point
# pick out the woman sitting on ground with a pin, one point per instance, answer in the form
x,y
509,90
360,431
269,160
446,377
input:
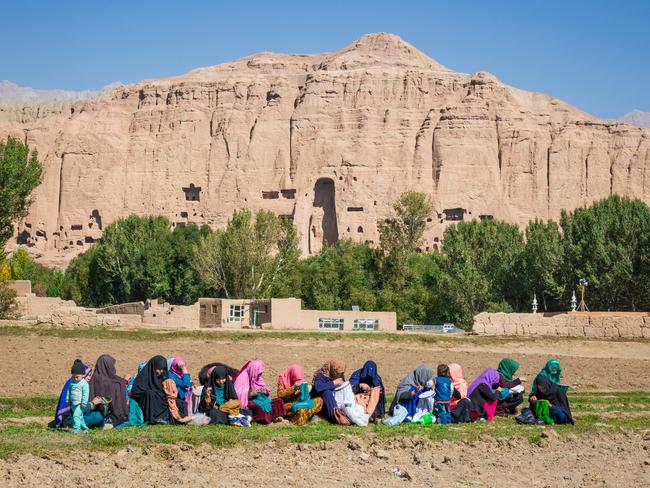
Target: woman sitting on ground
x,y
136,417
509,400
419,380
557,409
324,382
460,405
484,394
204,373
294,392
369,390
106,383
219,400
254,394
177,368
156,394
552,370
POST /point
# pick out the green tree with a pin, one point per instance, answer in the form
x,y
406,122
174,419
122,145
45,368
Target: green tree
x,y
416,302
186,287
249,259
543,264
77,283
402,234
45,281
342,275
479,270
7,301
607,243
20,173
132,261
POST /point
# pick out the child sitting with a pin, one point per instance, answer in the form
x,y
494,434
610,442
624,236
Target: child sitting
x,y
443,394
77,396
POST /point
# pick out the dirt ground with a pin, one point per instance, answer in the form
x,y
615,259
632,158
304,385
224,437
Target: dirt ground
x,y
41,364
573,461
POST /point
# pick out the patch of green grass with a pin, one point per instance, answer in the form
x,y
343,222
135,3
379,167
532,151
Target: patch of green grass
x,y
38,439
36,406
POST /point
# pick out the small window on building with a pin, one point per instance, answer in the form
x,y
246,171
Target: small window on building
x,y
288,193
184,215
76,227
330,324
360,230
365,324
236,314
270,195
355,209
215,309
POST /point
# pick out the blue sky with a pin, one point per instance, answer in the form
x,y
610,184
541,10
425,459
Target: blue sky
x,y
593,54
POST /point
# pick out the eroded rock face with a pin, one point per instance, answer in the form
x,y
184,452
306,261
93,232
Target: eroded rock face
x,y
331,140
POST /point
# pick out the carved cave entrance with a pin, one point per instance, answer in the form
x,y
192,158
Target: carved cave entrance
x,y
323,227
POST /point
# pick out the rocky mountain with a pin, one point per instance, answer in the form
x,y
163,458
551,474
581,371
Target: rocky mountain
x,y
637,118
330,140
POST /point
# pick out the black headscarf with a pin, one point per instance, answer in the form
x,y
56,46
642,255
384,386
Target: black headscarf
x,y
219,372
554,394
106,383
203,374
148,391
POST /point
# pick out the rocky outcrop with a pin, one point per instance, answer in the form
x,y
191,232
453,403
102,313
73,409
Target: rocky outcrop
x,y
330,140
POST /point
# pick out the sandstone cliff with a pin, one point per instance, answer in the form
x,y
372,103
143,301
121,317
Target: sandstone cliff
x,y
330,140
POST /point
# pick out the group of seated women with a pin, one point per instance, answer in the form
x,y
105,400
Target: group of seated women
x,y
162,392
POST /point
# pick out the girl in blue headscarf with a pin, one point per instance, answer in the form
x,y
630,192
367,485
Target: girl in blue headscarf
x,y
369,388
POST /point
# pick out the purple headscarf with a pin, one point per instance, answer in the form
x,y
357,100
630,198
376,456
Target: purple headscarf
x,y
173,366
489,377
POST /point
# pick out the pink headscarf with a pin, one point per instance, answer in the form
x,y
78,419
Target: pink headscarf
x,y
249,377
457,380
173,366
293,373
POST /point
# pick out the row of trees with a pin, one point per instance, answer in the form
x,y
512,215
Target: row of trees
x,y
481,266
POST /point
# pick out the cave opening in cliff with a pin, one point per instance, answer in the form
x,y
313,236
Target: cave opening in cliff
x,y
325,198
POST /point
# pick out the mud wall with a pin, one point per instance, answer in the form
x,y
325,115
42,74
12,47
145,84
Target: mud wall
x,y
564,325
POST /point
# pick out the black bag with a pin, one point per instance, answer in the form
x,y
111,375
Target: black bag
x,y
526,417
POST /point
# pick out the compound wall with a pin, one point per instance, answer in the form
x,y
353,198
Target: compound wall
x,y
572,324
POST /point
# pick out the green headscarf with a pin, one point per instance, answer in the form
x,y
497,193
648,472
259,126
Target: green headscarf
x,y
548,372
507,368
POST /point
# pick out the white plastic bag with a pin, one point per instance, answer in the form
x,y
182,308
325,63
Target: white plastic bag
x,y
344,395
199,419
357,414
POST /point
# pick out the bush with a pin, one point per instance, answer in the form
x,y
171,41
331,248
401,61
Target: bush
x,y
7,301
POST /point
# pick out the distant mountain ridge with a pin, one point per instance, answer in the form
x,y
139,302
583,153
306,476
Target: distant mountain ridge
x,y
637,118
328,140
12,93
